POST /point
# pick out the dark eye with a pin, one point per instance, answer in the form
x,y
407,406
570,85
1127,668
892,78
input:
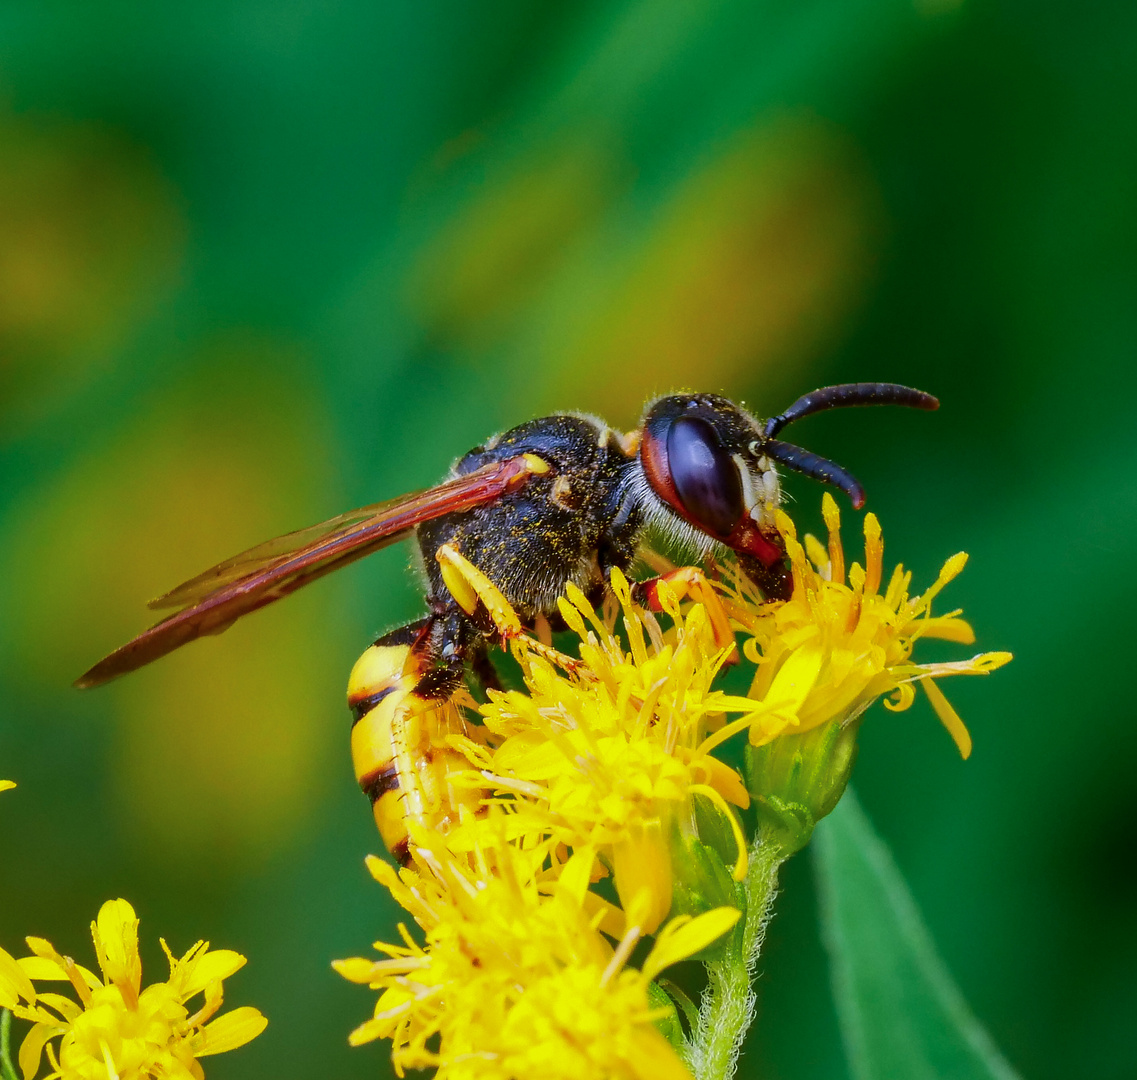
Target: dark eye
x,y
705,478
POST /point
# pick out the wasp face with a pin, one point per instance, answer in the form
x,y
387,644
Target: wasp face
x,y
702,456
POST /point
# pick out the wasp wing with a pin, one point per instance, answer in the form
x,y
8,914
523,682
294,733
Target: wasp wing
x,y
265,556
214,600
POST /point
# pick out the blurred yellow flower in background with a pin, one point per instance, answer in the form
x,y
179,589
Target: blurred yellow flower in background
x,y
119,1030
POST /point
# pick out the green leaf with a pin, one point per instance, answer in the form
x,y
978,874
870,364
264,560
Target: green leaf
x,y
682,1002
668,1020
901,1014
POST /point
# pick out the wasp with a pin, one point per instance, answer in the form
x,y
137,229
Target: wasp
x,y
556,500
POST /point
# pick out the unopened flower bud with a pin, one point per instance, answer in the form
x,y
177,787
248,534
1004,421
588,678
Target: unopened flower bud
x,y
795,780
702,870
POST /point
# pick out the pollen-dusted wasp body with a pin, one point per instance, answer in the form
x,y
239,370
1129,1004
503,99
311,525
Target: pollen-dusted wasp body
x,y
556,500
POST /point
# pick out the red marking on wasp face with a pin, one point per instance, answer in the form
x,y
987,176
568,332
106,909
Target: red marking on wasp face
x,y
749,538
746,536
653,457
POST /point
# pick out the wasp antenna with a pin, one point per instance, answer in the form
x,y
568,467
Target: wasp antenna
x,y
814,465
848,394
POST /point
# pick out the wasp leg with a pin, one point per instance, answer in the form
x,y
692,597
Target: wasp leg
x,y
483,670
403,697
484,604
690,582
451,639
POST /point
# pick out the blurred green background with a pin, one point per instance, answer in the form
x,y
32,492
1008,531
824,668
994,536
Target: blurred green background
x,y
264,261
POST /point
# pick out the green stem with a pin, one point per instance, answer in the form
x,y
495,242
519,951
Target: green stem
x,y
727,1006
7,1072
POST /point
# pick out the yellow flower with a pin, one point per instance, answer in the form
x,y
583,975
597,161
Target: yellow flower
x,y
6,784
607,754
610,751
607,764
515,979
839,642
119,1030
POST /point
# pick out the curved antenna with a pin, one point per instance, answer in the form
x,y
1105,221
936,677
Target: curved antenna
x,y
817,467
848,394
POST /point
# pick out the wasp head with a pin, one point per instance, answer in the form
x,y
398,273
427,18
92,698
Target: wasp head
x,y
714,467
703,458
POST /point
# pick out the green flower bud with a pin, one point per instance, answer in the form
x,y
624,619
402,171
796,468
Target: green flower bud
x,y
795,780
701,872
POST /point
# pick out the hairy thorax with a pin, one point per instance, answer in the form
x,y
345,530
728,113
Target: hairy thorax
x,y
573,524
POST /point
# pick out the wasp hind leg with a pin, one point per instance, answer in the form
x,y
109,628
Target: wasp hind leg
x,y
404,698
486,607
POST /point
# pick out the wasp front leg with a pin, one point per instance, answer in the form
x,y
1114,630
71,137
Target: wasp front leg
x,y
690,582
404,694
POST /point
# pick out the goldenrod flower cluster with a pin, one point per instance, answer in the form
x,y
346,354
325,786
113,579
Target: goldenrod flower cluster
x,y
516,976
119,1030
525,968
595,781
840,642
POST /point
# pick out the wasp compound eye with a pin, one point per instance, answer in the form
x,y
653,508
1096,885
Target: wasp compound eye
x,y
704,476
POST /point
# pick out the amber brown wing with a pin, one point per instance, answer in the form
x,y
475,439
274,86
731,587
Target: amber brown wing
x,y
214,600
278,550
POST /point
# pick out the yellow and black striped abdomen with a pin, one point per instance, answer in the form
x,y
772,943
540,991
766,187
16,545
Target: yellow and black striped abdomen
x,y
399,748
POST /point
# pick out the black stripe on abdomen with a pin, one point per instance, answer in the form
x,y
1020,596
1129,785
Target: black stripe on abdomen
x,y
360,708
376,784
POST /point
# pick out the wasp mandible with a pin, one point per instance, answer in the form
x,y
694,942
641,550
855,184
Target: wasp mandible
x,y
556,500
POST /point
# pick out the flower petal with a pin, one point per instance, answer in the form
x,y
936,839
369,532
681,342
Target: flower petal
x,y
228,1031
949,718
654,1058
42,968
31,1049
208,967
681,938
66,1008
15,982
642,867
576,874
357,969
948,628
796,678
116,942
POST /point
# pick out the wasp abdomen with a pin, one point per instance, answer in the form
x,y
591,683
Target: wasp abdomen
x,y
403,761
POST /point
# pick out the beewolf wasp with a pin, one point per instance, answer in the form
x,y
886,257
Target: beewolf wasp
x,y
556,500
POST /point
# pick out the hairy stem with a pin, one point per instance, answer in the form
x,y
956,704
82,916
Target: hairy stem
x,y
727,1006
